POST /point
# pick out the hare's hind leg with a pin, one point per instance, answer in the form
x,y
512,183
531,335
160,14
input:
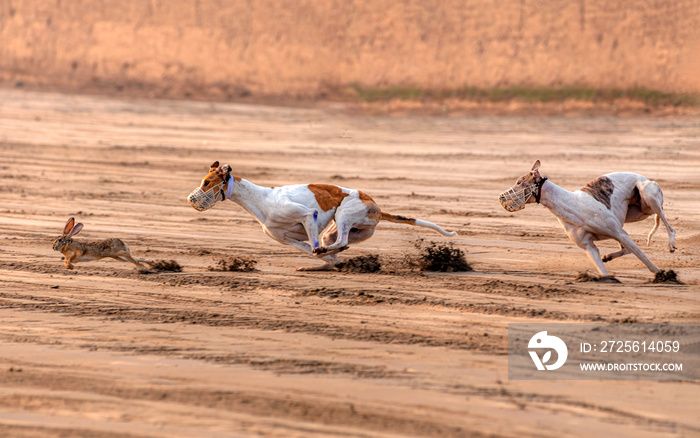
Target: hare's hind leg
x,y
125,255
127,258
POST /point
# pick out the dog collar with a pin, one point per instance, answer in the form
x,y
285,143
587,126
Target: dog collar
x,y
539,185
229,187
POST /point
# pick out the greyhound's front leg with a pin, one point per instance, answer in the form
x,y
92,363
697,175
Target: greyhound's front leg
x,y
330,259
311,227
584,240
304,247
298,244
593,254
295,213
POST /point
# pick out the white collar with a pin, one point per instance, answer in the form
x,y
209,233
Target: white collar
x,y
229,188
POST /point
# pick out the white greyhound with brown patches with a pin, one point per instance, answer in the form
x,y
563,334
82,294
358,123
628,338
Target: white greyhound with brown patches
x,y
597,211
331,217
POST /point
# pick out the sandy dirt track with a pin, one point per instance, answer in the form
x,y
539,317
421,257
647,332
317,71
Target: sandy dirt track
x,y
107,351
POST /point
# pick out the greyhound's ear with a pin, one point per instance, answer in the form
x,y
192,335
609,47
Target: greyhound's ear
x,y
69,226
226,168
215,165
536,165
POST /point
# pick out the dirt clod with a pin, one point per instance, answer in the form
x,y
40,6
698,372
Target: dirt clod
x,y
669,276
362,264
442,258
166,265
235,264
585,276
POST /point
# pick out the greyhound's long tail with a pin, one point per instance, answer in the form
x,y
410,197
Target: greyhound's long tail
x,y
416,222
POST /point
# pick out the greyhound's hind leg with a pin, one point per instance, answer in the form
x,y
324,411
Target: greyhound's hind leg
x,y
651,195
613,255
627,242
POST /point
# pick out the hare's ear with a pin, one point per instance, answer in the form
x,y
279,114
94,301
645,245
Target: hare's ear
x,y
215,165
76,229
536,165
69,226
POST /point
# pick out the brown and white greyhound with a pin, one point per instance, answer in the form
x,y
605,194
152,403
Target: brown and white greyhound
x,y
331,217
596,212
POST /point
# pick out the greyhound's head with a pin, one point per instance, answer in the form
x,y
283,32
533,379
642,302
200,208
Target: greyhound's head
x,y
515,198
212,189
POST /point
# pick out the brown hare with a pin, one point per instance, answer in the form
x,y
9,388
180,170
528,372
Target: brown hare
x,y
84,252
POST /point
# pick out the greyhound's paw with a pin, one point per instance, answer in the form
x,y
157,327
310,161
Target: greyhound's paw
x,y
320,250
607,258
672,248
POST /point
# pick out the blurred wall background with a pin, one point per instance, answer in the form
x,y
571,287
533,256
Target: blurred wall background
x,y
306,47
